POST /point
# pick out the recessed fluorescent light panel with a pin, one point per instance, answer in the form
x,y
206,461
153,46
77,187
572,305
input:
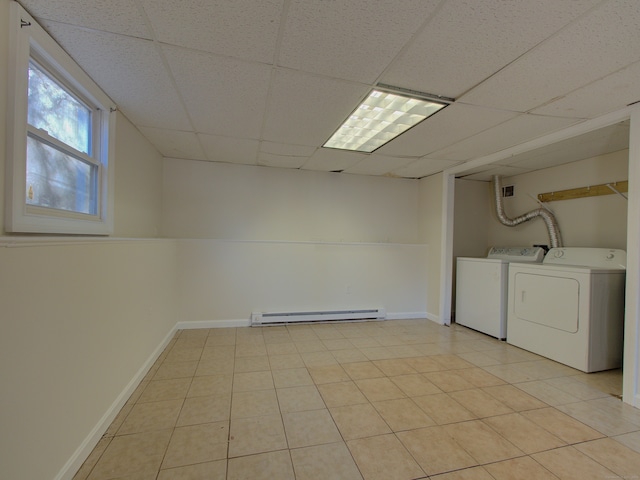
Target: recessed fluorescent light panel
x,y
379,119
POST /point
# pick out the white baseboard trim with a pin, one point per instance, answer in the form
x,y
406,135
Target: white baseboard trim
x,y
89,443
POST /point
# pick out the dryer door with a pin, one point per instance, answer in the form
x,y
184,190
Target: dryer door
x,y
552,301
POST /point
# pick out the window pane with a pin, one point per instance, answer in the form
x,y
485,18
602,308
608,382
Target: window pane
x,y
61,115
58,180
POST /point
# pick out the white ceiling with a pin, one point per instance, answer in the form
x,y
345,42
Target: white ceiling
x,y
266,82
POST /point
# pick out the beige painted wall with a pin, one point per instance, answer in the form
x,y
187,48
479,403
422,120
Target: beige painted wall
x,y
586,222
240,202
79,318
430,226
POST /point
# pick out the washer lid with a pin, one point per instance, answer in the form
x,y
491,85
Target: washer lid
x,y
609,258
517,254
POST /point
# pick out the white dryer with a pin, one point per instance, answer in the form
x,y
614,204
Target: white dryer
x,y
481,288
570,308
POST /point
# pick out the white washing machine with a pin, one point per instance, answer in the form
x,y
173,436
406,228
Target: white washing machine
x,y
481,288
570,308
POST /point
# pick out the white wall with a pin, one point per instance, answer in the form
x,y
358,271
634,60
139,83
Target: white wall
x,y
430,225
276,239
240,202
585,222
473,211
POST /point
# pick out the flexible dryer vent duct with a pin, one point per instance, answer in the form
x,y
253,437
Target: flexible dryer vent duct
x,y
549,219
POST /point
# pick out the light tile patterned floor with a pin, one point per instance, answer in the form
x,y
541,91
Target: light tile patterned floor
x,y
393,400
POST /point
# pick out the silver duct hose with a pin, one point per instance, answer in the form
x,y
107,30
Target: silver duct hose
x,y
549,219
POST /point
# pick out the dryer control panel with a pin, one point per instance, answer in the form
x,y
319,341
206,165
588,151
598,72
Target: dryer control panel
x,y
517,254
611,258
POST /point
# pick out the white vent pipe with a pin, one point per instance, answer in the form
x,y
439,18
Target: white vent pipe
x,y
549,219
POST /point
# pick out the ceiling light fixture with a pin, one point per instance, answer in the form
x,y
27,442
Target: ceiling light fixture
x,y
382,116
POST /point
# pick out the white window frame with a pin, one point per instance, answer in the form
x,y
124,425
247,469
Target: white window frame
x,y
28,40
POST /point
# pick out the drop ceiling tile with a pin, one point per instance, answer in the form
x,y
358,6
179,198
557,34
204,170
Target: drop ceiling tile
x,y
282,161
115,16
608,94
423,167
486,174
240,28
130,71
332,160
349,39
468,41
230,150
599,142
447,127
174,143
375,164
224,96
600,43
306,109
512,132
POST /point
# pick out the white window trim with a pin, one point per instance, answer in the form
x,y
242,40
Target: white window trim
x,y
26,36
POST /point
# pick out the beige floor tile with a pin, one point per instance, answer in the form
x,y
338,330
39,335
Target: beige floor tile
x,y
377,389
358,421
473,473
310,346
479,377
138,454
576,388
119,420
365,342
287,348
282,362
482,442
435,450
631,440
480,403
561,425
248,436
196,410
264,466
256,363
318,359
176,370
324,462
173,389
294,377
184,354
341,393
215,367
514,398
568,463
618,458
451,362
189,342
211,385
480,359
299,399
403,351
449,381
609,421
250,349
328,374
251,381
609,381
146,417
518,469
509,373
92,459
315,427
415,385
395,367
202,471
220,340
218,353
377,353
254,404
384,458
443,409
547,393
362,370
197,444
338,344
523,433
403,414
349,356
424,364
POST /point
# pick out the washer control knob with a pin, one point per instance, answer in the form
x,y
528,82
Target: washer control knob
x,y
610,256
558,254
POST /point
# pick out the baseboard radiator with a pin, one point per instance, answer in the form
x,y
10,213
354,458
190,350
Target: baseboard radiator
x,y
280,318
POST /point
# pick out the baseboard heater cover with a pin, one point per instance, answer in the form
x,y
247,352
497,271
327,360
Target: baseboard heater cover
x,y
277,318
